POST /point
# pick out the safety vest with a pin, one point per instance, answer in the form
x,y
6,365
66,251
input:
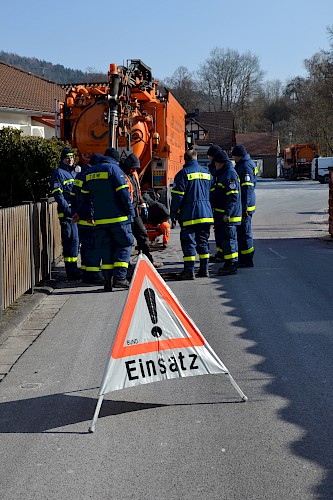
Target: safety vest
x,y
131,188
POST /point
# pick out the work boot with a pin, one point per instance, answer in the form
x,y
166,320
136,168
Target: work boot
x,y
120,283
93,280
246,263
218,257
202,273
157,265
108,287
186,274
227,269
74,275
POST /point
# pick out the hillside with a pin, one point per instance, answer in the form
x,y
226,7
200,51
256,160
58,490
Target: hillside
x,y
54,72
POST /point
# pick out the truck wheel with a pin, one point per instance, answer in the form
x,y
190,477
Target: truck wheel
x,y
326,179
165,197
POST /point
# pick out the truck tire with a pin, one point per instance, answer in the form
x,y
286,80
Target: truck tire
x,y
326,179
165,197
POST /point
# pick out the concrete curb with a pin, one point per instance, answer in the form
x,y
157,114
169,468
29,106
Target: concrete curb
x,y
18,312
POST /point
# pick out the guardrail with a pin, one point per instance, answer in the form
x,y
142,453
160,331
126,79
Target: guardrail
x,y
30,245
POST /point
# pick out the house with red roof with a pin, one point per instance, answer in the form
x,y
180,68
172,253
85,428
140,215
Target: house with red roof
x,y
264,148
28,102
218,127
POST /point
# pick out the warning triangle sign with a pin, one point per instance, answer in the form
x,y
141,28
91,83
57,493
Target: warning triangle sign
x,y
156,339
123,154
152,318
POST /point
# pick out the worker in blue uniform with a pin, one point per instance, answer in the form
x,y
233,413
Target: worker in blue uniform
x,y
211,152
130,166
61,185
89,269
107,204
247,173
226,203
190,205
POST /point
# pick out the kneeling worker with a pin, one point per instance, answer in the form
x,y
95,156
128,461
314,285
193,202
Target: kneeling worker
x,y
158,220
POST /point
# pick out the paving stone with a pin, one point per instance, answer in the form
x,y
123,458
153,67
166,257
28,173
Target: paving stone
x,y
42,313
8,358
46,314
50,307
8,351
27,333
17,343
35,325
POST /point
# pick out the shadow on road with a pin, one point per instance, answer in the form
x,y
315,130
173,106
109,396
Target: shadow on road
x,y
40,414
290,333
46,413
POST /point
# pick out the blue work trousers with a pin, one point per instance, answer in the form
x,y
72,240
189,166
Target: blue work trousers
x,y
194,239
110,249
70,245
90,270
245,238
226,238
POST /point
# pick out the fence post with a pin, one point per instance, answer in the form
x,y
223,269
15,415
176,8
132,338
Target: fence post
x,y
1,247
32,260
48,236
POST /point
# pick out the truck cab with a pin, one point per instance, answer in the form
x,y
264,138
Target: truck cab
x,y
319,169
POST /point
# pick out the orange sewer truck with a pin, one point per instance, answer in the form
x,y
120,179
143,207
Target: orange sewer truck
x,y
297,160
130,114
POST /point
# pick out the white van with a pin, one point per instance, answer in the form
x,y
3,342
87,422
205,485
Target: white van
x,y
319,169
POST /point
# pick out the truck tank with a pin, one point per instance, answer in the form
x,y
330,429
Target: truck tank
x,y
129,113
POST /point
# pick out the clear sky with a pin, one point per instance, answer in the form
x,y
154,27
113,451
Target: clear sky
x,y
165,35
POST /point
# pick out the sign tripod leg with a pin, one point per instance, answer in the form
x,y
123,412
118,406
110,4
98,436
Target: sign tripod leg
x,y
95,417
236,386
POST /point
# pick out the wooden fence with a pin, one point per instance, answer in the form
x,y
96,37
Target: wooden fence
x,y
330,202
30,244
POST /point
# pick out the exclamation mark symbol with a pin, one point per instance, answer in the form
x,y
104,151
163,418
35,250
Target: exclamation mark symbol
x,y
149,294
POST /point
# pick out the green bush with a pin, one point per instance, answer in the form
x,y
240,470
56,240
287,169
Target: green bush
x,y
26,165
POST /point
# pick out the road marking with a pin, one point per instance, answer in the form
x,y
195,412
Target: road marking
x,y
276,253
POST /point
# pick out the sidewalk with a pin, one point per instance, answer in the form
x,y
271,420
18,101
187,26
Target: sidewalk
x,y
26,319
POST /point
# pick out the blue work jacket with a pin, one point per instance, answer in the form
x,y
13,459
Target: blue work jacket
x,y
226,195
105,195
246,170
61,185
190,202
76,194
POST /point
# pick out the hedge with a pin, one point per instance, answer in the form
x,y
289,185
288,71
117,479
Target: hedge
x,y
26,165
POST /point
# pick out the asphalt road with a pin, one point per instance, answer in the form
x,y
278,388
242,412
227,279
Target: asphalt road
x,y
192,438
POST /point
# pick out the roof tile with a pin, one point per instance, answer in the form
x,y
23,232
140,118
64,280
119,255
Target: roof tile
x,y
259,143
22,90
220,126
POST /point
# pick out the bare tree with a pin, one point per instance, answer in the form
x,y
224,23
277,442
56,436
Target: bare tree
x,y
184,87
272,90
329,30
230,78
